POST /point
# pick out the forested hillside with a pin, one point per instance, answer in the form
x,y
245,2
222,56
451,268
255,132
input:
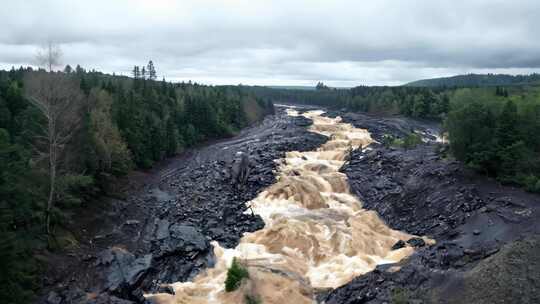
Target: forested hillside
x,y
477,80
409,101
498,134
65,137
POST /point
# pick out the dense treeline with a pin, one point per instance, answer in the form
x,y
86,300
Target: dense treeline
x,y
21,193
413,102
498,133
323,97
493,130
478,80
65,136
409,101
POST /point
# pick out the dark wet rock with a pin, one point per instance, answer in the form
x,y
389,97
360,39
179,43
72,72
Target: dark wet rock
x,y
166,289
399,244
123,271
416,242
162,229
412,190
54,298
472,252
189,235
106,257
302,121
107,299
183,238
69,295
241,169
88,257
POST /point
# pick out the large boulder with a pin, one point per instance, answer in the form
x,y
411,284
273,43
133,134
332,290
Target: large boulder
x,y
123,270
183,238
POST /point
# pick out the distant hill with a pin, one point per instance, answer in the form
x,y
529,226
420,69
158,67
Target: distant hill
x,y
477,80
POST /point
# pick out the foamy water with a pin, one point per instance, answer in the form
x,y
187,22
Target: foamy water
x,y
316,234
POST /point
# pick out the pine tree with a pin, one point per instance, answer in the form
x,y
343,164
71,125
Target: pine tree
x,y
507,133
321,86
172,137
136,72
151,71
510,150
79,70
85,87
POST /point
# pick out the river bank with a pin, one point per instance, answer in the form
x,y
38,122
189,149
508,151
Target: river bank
x,y
161,232
486,233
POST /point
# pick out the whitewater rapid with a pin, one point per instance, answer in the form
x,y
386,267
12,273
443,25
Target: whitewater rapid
x,y
316,234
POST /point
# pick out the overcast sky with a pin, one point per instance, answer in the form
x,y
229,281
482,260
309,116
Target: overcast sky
x,y
343,43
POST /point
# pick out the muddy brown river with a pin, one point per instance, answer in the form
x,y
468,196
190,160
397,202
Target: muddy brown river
x,y
316,235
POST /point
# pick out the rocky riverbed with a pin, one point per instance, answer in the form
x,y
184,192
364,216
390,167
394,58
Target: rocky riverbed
x,y
161,232
486,234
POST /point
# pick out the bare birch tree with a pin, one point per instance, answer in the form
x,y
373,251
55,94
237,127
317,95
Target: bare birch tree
x,y
59,98
49,56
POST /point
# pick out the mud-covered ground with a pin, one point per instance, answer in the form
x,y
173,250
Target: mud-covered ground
x,y
161,232
487,249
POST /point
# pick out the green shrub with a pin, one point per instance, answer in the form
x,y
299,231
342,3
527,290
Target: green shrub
x,y
408,142
235,275
398,142
388,140
531,183
411,140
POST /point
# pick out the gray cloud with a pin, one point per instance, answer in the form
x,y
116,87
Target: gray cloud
x,y
344,43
